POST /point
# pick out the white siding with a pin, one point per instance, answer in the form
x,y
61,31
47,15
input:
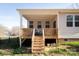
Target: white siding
x,y
64,31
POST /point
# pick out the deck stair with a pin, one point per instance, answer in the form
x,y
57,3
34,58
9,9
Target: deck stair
x,y
38,44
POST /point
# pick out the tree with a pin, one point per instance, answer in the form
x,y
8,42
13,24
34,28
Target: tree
x,y
15,31
3,31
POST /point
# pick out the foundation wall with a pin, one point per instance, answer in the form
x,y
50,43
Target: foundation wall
x,y
62,41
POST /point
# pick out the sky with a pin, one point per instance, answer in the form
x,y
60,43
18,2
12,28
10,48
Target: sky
x,y
9,16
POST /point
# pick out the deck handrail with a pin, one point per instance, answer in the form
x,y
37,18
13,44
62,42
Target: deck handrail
x,y
33,34
43,34
43,38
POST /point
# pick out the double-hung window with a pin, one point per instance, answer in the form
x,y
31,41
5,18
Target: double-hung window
x,y
39,24
69,21
76,20
30,24
47,24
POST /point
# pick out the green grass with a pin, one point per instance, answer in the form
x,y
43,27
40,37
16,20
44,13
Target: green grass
x,y
75,44
57,51
63,52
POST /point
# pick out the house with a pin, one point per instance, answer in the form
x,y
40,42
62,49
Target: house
x,y
48,26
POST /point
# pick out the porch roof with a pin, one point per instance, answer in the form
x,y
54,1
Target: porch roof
x,y
41,14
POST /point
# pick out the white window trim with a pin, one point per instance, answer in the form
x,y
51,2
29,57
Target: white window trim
x,y
73,19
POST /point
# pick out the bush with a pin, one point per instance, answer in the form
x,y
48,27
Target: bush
x,y
18,51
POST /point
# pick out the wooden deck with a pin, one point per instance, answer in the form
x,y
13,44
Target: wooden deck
x,y
38,42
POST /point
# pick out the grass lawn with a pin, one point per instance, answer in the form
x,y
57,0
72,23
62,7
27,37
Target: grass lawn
x,y
75,44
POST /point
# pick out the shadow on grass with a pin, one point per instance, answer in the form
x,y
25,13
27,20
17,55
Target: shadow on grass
x,y
9,43
13,45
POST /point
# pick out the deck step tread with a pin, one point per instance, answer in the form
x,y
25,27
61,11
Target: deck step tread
x,y
37,45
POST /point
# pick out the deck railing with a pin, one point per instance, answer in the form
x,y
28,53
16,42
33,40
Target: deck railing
x,y
26,32
47,32
50,32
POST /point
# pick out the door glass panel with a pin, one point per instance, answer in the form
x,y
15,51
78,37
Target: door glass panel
x,y
39,24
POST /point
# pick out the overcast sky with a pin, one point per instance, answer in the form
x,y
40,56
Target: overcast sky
x,y
10,17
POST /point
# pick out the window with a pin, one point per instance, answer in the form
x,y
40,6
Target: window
x,y
30,24
39,24
76,20
47,24
69,21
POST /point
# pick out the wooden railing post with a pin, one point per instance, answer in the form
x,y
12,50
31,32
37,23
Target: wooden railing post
x,y
43,35
33,34
43,39
33,38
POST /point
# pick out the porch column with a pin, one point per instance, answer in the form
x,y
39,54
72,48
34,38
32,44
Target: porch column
x,y
57,40
21,25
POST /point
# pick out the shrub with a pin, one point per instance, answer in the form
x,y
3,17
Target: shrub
x,y
17,51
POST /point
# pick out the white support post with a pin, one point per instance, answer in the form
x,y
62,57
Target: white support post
x,y
19,30
57,21
57,40
21,25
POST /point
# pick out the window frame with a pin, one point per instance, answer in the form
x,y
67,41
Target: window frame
x,y
30,24
47,24
67,21
76,21
39,24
